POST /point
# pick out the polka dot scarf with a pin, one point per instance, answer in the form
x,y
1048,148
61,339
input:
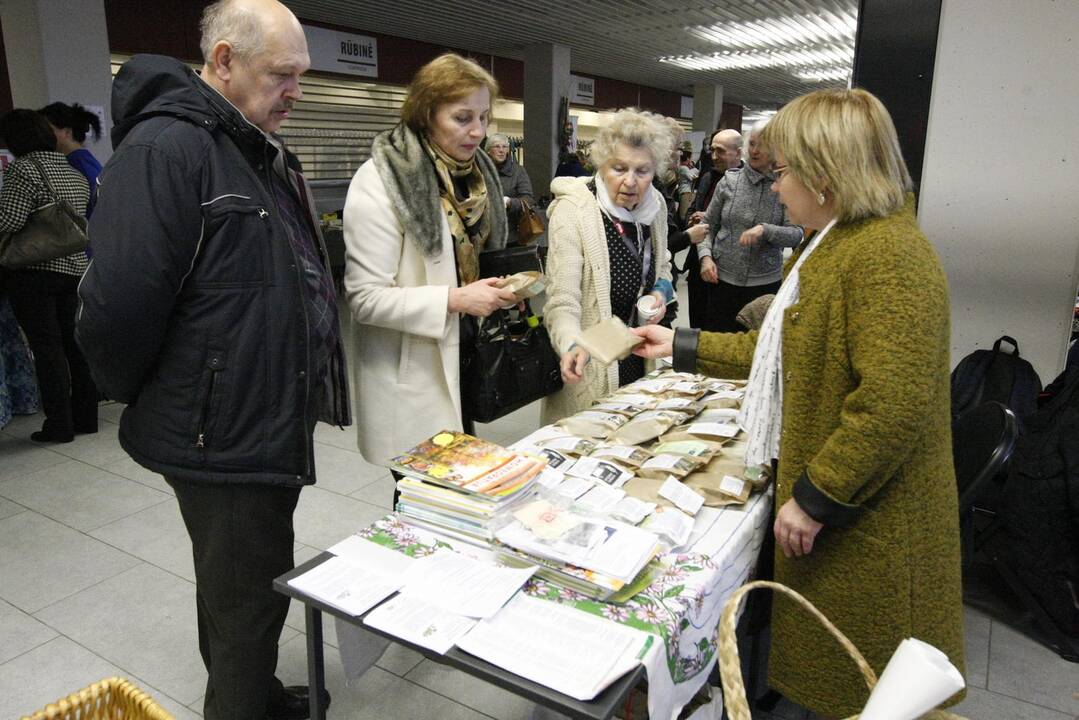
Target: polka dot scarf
x,y
468,217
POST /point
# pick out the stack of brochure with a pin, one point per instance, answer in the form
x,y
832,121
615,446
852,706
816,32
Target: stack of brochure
x,y
597,557
455,483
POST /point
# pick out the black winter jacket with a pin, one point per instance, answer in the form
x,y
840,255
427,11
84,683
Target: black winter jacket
x,y
193,309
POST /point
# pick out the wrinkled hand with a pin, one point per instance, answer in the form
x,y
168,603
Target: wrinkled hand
x,y
709,272
658,341
695,218
752,236
697,233
572,365
480,298
795,531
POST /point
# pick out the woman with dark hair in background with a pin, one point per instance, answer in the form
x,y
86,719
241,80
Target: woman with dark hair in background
x,y
43,296
71,124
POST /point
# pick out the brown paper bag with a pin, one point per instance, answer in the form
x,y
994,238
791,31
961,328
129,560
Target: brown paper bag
x,y
608,341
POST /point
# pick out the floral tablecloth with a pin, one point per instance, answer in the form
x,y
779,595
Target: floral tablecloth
x,y
682,605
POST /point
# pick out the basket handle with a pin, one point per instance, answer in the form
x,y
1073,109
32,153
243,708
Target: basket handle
x,y
730,666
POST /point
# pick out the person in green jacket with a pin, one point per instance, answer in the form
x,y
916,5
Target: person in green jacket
x,y
848,392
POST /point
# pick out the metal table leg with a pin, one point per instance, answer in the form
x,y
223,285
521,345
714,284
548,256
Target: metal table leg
x,y
316,668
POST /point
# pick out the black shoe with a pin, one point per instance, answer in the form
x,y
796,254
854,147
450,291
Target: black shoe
x,y
85,429
50,436
293,703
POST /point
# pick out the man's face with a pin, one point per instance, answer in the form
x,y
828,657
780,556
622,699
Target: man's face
x,y
266,86
725,153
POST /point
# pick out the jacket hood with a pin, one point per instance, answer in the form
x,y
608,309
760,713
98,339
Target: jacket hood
x,y
154,85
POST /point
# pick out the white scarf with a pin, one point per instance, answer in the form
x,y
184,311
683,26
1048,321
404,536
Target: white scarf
x,y
643,214
761,415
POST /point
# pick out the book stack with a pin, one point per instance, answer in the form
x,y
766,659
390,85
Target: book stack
x,y
455,483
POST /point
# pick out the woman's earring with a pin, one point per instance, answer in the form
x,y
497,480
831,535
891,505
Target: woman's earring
x,y
820,198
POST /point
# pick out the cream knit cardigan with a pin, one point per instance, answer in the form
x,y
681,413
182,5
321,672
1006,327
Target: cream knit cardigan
x,y
579,294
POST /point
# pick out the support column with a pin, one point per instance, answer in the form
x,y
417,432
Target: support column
x,y
58,50
707,106
547,80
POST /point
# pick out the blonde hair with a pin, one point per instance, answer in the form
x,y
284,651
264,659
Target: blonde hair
x,y
636,129
843,141
447,78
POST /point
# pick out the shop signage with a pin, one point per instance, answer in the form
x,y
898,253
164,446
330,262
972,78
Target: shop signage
x,y
582,90
342,52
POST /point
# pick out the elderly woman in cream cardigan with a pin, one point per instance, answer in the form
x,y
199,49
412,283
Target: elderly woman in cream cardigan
x,y
607,238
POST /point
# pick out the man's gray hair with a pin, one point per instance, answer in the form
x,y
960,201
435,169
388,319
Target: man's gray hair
x,y
497,137
230,21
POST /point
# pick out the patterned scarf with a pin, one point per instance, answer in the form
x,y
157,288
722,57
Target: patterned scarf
x,y
469,219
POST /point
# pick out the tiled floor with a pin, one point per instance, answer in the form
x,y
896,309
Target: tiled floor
x,y
96,579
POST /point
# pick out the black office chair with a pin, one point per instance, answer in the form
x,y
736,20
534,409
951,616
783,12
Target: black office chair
x,y
983,439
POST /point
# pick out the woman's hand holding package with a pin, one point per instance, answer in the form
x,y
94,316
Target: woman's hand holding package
x,y
795,530
572,365
480,298
752,236
709,272
657,341
661,307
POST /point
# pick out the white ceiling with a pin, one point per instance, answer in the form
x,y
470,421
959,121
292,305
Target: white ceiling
x,y
671,44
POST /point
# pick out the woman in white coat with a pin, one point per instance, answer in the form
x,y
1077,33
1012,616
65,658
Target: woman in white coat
x,y
607,239
417,215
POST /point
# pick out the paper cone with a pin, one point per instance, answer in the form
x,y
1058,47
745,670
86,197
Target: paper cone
x,y
917,679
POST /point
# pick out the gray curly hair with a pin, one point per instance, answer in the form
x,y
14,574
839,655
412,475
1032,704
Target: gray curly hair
x,y
636,129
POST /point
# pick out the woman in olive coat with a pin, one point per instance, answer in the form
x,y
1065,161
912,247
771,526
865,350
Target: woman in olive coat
x,y
849,391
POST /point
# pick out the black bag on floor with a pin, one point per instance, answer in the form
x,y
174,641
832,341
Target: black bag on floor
x,y
994,375
508,365
1040,511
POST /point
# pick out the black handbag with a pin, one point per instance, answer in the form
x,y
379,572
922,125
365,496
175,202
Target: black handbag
x,y
510,261
52,231
509,365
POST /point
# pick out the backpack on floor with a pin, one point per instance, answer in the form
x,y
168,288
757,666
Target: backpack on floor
x,y
1004,377
1040,512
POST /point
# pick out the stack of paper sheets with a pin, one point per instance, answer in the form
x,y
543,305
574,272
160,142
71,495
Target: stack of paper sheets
x,y
559,647
607,547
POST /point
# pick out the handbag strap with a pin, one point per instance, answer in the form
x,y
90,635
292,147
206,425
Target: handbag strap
x,y
48,183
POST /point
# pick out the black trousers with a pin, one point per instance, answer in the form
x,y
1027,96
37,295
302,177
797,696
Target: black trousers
x,y
45,303
242,538
727,300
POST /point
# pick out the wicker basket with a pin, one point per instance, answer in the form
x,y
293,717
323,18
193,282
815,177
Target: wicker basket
x,y
730,667
110,699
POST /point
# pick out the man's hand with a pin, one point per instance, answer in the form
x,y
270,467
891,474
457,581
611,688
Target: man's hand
x,y
695,218
795,531
480,298
572,365
752,236
709,273
658,341
697,233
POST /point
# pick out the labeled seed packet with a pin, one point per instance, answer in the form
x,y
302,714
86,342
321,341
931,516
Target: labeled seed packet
x,y
524,285
593,424
623,454
647,426
608,341
665,465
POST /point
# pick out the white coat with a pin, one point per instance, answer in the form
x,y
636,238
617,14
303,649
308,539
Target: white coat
x,y
405,344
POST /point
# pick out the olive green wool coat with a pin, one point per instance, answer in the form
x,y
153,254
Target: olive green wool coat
x,y
867,433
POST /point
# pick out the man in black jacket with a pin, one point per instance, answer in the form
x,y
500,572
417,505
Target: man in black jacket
x,y
209,309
